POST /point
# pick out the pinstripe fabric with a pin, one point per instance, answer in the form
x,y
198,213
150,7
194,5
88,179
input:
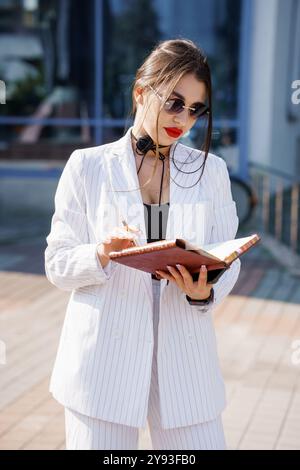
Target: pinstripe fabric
x,y
84,432
103,363
87,433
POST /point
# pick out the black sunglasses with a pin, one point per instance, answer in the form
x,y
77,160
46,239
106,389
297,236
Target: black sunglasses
x,y
176,106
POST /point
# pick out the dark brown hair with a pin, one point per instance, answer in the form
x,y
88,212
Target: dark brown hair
x,y
168,62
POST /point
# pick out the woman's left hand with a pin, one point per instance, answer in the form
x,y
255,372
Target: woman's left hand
x,y
196,290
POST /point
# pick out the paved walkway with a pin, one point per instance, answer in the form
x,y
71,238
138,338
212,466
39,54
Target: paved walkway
x,y
256,326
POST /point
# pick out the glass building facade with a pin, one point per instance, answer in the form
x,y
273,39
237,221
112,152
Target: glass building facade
x,y
69,66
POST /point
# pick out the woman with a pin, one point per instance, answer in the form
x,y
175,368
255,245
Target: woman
x,y
135,346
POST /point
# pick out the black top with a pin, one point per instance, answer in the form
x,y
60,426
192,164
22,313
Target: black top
x,y
156,224
156,221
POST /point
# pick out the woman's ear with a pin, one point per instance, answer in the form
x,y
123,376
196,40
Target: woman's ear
x,y
138,94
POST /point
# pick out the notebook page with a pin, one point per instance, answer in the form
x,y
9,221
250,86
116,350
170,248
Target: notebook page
x,y
224,249
201,250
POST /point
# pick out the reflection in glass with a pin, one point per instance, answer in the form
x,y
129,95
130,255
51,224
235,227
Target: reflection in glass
x,y
46,60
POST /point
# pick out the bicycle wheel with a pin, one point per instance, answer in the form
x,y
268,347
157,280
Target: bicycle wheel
x,y
244,197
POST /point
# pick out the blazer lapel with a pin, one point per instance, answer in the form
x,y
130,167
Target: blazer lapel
x,y
125,185
186,211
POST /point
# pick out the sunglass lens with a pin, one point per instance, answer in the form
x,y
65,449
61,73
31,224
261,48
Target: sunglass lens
x,y
174,106
200,110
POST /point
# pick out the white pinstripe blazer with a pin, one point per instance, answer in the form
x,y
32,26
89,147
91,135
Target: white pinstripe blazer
x,y
103,363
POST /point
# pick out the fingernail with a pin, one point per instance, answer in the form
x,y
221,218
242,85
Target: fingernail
x,y
203,267
178,266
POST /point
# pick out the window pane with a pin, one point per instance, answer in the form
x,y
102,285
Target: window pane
x,y
134,27
46,58
131,30
43,142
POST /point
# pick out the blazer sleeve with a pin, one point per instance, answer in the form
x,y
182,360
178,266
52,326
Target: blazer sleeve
x,y
225,226
71,260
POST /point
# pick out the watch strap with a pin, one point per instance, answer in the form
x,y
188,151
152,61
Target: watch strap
x,y
207,301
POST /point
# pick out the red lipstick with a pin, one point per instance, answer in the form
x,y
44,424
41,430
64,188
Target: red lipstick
x,y
173,131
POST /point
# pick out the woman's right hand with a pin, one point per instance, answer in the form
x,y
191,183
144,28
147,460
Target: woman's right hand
x,y
117,240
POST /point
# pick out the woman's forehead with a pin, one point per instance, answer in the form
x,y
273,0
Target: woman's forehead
x,y
190,90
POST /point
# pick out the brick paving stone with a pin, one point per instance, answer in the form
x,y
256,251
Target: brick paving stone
x,y
255,328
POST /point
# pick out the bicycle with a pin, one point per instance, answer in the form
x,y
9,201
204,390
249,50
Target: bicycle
x,y
244,196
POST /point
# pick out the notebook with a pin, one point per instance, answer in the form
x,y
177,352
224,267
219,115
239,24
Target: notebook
x,y
157,255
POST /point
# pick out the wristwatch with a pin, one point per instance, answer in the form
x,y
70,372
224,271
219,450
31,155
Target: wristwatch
x,y
202,301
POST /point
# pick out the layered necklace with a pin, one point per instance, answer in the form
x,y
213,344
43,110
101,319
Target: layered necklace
x,y
143,145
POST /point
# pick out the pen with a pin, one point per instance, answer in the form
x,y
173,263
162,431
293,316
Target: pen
x,y
127,228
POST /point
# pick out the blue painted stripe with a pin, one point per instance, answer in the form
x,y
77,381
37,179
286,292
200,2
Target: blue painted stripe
x,y
105,122
98,58
245,63
11,120
30,173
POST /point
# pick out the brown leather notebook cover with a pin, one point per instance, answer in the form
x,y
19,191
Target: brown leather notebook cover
x,y
157,255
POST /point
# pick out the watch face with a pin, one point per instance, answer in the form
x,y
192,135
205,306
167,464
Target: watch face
x,y
204,302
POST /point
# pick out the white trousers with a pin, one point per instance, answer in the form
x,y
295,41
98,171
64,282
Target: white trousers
x,y
87,433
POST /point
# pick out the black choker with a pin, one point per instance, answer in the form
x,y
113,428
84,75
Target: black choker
x,y
143,145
